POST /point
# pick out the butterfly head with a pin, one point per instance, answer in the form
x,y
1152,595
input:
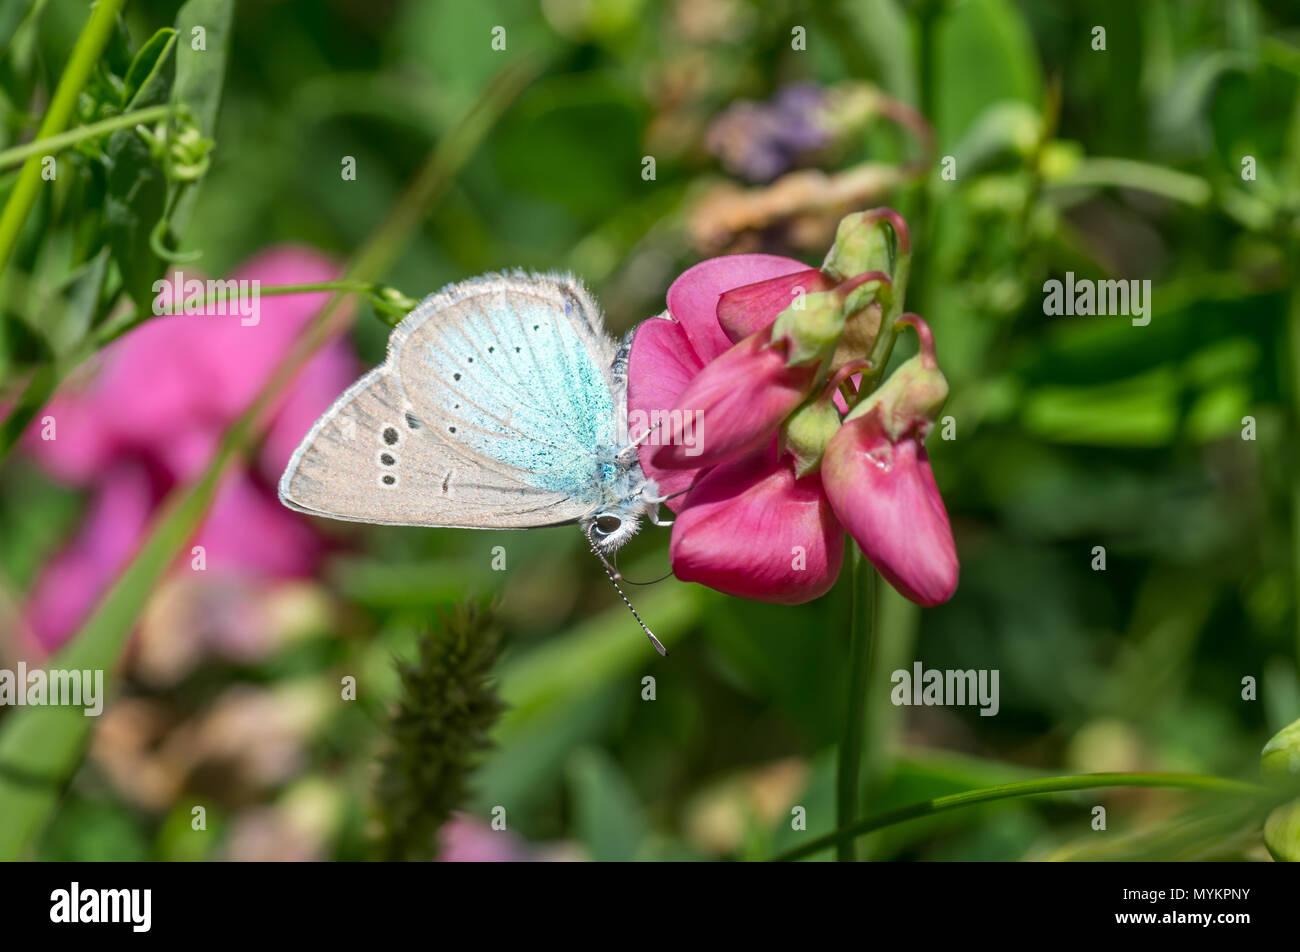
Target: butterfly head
x,y
609,528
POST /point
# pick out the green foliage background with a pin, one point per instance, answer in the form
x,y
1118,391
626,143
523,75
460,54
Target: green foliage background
x,y
1071,432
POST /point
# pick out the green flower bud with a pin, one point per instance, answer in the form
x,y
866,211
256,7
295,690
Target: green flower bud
x,y
1281,755
812,326
912,396
1281,758
806,432
390,305
1282,832
865,241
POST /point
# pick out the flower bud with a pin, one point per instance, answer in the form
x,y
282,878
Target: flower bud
x,y
910,400
812,329
1282,832
864,243
806,433
1281,755
1281,758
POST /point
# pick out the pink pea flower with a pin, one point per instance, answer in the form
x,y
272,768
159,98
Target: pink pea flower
x,y
148,418
747,525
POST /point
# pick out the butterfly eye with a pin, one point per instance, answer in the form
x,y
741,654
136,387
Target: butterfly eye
x,y
607,524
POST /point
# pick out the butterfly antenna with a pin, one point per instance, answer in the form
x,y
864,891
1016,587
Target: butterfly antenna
x,y
653,581
659,645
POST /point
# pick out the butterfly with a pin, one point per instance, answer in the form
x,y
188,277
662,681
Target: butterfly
x,y
502,404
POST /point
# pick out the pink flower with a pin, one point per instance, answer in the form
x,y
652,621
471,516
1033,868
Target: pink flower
x,y
749,525
148,418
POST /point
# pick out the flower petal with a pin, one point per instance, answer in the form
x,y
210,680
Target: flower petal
x,y
885,495
752,530
753,307
660,366
693,297
70,584
733,406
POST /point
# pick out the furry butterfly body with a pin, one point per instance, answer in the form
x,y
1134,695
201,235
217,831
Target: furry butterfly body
x,y
502,404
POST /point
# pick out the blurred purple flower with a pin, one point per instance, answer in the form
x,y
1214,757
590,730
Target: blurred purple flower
x,y
759,141
465,839
149,418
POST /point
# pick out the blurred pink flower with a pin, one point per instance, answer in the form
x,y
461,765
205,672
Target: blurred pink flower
x,y
149,418
748,526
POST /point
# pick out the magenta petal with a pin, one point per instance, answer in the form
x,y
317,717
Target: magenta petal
x,y
660,367
751,530
314,390
752,307
885,495
733,406
693,297
83,443
249,533
244,357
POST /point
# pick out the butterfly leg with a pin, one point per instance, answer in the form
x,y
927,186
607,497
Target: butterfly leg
x,y
656,521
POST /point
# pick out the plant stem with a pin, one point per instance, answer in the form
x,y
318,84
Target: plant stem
x,y
94,36
1025,788
862,582
47,377
1143,176
53,144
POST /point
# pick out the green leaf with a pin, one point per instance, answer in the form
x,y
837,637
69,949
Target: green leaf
x,y
150,75
201,73
984,54
136,201
137,186
608,816
73,310
200,78
1139,411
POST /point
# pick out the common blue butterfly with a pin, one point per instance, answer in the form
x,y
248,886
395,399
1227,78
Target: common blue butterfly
x,y
502,404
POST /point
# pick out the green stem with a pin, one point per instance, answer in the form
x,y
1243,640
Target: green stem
x,y
862,581
1143,176
1025,788
94,36
53,144
48,376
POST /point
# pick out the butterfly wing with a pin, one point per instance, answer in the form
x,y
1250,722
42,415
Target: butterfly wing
x,y
489,412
